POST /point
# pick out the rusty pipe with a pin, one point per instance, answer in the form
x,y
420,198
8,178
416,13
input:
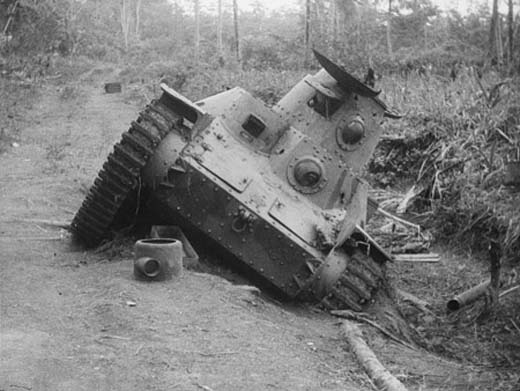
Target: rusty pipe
x,y
468,296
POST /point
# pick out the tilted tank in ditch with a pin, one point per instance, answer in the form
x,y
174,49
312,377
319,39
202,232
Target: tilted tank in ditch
x,y
275,188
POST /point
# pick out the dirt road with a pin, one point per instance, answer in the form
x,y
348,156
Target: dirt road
x,y
67,317
75,320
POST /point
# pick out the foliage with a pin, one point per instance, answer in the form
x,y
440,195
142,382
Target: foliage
x,y
353,32
453,146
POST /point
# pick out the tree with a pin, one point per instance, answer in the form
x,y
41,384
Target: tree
x,y
307,31
220,48
197,31
388,29
237,37
137,17
124,8
510,33
494,33
334,22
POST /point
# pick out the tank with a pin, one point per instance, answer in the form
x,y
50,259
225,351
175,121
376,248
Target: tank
x,y
278,190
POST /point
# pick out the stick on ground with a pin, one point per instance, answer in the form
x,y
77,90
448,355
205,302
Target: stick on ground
x,y
423,305
381,377
508,291
400,220
361,319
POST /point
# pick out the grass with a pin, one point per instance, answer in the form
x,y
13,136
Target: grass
x,y
471,129
268,85
453,143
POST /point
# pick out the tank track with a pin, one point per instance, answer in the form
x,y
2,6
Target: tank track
x,y
120,175
358,284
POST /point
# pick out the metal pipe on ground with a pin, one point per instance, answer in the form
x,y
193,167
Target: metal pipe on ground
x,y
468,296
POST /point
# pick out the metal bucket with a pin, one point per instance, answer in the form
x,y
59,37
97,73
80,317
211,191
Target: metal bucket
x,y
158,259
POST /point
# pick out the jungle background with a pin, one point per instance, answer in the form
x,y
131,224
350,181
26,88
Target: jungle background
x,y
444,165
452,75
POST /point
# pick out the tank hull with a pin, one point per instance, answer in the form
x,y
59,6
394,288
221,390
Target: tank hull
x,y
276,189
200,203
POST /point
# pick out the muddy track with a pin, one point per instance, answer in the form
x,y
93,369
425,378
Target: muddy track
x,y
120,175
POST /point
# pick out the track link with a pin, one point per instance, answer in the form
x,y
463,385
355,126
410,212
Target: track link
x,y
357,285
120,174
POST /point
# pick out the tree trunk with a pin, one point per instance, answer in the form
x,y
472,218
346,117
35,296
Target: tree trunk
x,y
137,17
495,254
197,32
500,44
493,28
220,49
333,22
510,33
307,31
237,37
178,27
318,17
389,29
125,21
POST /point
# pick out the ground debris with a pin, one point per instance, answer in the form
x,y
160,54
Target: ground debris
x,y
420,258
364,319
381,377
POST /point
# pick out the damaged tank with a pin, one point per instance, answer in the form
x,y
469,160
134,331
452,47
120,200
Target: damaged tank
x,y
278,189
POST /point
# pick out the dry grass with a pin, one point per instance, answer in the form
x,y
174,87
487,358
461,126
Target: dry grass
x,y
454,143
196,84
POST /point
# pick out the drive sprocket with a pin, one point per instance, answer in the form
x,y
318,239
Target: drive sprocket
x,y
357,286
120,175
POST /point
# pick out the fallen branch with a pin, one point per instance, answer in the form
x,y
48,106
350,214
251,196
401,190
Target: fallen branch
x,y
203,387
358,318
410,194
423,305
509,291
399,220
417,255
381,377
505,136
139,349
108,336
424,258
